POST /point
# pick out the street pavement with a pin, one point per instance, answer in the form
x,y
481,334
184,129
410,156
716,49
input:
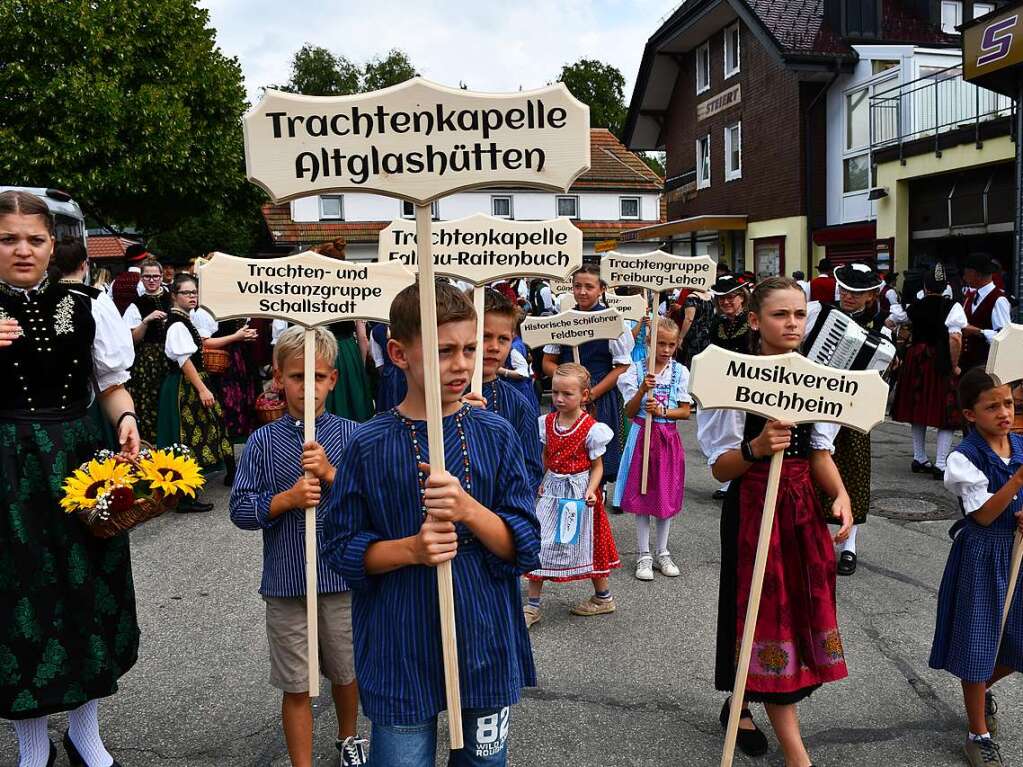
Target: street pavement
x,y
634,688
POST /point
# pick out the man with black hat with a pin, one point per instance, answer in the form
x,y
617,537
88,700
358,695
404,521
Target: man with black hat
x,y
987,310
125,287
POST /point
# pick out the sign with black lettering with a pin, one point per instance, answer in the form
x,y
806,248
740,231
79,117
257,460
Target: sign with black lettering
x,y
417,141
658,271
572,328
482,249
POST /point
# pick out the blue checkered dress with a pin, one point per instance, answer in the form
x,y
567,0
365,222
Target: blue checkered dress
x,y
976,580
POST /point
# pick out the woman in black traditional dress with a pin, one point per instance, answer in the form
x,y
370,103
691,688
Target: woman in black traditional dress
x,y
189,413
146,317
68,628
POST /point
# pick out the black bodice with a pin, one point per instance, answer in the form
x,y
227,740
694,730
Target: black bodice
x,y
156,332
732,334
50,366
176,317
798,448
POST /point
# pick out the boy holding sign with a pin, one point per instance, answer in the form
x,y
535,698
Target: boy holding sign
x,y
800,560
270,492
390,522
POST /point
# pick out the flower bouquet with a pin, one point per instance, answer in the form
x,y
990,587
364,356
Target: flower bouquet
x,y
111,494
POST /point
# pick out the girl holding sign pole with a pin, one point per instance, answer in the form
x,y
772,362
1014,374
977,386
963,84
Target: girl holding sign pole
x,y
604,360
663,392
986,472
797,646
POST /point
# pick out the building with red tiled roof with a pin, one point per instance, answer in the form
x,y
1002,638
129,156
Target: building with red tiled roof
x,y
618,194
106,247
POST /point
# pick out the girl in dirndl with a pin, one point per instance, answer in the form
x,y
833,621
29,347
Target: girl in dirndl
x,y
797,646
663,393
604,360
146,317
576,542
986,472
189,413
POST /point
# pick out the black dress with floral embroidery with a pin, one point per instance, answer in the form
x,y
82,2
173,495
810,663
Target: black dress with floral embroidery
x,y
68,628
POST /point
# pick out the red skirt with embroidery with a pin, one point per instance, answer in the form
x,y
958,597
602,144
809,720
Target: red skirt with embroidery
x,y
925,396
796,646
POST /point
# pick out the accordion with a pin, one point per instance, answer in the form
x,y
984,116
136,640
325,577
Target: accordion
x,y
838,341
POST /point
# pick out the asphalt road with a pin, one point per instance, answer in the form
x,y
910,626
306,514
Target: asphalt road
x,y
634,688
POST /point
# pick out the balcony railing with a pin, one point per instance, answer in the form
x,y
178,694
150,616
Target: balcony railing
x,y
939,103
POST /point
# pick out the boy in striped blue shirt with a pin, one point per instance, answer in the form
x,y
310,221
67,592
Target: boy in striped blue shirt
x,y
270,494
390,522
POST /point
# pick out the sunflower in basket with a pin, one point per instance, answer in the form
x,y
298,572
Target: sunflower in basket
x,y
171,472
93,480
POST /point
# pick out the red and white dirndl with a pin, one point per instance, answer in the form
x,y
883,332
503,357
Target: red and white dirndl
x,y
567,460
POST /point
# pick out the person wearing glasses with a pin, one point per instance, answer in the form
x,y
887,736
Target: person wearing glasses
x,y
146,317
189,414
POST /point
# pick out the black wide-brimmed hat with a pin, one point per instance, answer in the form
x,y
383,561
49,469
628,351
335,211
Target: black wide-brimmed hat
x,y
858,278
935,281
980,262
727,283
135,253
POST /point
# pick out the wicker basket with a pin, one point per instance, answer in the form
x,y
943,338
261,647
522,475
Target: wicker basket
x,y
215,360
270,407
143,510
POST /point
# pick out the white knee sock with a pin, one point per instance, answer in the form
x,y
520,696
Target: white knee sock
x,y
919,443
850,542
663,528
33,742
944,447
83,729
643,535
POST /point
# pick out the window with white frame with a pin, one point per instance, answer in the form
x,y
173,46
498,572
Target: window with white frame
x,y
501,206
568,206
703,162
408,210
951,16
982,9
703,68
856,159
628,207
332,207
732,50
733,152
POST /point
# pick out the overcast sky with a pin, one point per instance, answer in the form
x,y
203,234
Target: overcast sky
x,y
491,46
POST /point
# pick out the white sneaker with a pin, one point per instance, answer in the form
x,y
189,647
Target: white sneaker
x,y
665,564
645,568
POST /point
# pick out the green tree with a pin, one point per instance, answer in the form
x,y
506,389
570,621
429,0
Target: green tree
x,y
654,161
129,105
601,87
315,71
383,72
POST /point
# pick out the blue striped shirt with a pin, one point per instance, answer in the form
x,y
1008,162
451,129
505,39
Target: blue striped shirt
x,y
398,656
270,464
508,402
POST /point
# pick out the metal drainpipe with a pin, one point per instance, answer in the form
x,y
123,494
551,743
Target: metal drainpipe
x,y
808,176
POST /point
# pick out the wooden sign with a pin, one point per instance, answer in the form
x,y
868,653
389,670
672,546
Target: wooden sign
x,y
658,271
788,387
418,141
1005,360
572,328
481,249
719,103
307,289
785,387
630,307
605,245
560,286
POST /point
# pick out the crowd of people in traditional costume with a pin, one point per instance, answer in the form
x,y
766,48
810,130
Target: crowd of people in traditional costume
x,y
529,496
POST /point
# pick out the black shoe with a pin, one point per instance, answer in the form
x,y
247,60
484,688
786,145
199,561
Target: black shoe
x,y
73,756
719,495
846,563
750,742
193,507
924,467
938,473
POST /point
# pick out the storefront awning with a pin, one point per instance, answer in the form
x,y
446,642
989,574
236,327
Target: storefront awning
x,y
685,226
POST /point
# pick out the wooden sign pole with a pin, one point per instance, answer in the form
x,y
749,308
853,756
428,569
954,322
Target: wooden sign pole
x,y
1005,364
752,608
435,437
651,364
478,301
311,586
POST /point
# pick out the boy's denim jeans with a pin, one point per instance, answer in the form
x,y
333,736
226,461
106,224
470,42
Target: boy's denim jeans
x,y
415,745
